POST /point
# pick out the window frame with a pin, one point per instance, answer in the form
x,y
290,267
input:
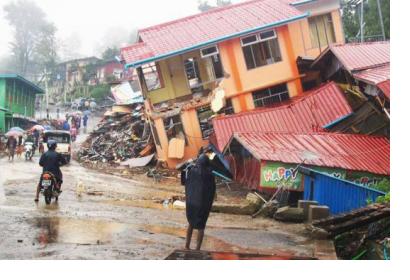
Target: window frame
x,y
258,38
323,19
246,47
210,54
271,95
157,70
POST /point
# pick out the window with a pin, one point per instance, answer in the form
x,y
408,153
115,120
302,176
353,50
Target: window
x,y
228,109
322,32
210,51
269,96
174,128
193,75
152,76
261,49
204,114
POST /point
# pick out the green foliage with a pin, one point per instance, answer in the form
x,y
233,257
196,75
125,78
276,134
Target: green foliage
x,y
34,44
383,186
383,199
110,53
100,92
351,18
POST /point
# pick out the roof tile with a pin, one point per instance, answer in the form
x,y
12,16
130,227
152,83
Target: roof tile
x,y
346,151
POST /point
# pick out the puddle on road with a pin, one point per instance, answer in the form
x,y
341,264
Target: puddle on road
x,y
152,204
210,243
65,230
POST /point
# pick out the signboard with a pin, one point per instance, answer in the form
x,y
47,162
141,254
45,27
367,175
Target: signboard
x,y
275,174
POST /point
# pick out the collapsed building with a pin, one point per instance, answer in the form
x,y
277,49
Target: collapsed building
x,y
227,60
363,71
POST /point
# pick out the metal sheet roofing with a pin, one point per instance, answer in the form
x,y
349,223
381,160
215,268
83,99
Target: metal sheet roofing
x,y
374,76
311,112
378,76
360,56
346,151
23,80
385,88
208,28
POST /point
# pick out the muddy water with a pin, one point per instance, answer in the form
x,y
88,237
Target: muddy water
x,y
125,220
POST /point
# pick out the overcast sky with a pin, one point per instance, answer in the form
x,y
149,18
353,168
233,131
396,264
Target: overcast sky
x,y
87,23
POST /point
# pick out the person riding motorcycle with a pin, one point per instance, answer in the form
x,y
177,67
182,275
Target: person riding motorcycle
x,y
51,161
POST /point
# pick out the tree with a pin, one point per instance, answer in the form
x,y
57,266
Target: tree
x,y
34,41
372,28
203,5
110,53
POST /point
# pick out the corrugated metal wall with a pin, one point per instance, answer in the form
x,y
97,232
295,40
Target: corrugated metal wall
x,y
340,195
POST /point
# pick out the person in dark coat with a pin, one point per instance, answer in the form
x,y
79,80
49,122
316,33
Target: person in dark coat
x,y
51,161
200,191
11,147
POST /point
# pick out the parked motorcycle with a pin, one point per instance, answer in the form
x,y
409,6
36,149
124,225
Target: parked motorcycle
x,y
29,150
49,187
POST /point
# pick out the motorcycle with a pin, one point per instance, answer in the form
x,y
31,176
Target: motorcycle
x,y
49,187
29,150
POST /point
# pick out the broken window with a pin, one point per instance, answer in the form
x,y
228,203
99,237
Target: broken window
x,y
204,114
152,76
269,96
322,32
192,74
228,109
174,128
261,49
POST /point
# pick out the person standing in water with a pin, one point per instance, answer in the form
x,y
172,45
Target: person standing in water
x,y
200,191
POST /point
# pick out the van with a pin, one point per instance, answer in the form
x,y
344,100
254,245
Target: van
x,y
63,139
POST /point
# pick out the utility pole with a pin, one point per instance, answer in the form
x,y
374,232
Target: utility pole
x,y
361,22
381,19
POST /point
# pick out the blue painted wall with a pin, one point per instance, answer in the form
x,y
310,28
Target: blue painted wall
x,y
338,194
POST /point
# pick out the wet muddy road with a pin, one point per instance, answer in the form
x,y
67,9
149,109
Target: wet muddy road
x,y
102,216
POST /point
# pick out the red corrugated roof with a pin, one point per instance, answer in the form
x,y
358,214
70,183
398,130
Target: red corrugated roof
x,y
385,87
374,76
346,151
378,76
360,56
315,110
212,25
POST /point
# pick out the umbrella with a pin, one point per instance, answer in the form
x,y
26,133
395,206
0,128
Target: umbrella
x,y
37,127
47,127
87,112
79,113
16,128
14,133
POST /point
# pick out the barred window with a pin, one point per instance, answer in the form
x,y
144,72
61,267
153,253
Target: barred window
x,y
270,96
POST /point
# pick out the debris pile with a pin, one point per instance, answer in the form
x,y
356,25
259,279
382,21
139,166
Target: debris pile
x,y
118,138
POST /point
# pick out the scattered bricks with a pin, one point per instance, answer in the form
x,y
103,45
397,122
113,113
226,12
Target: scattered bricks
x,y
304,204
318,212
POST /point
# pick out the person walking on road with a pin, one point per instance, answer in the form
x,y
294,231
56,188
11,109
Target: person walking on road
x,y
200,191
11,147
85,121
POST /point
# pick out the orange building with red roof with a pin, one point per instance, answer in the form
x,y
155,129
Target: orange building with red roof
x,y
244,55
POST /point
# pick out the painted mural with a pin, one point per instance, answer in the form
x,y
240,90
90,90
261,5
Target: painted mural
x,y
274,174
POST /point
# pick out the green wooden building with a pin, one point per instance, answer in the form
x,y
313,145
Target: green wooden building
x,y
17,101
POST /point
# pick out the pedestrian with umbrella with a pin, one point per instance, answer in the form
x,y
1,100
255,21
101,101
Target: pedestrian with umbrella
x,y
200,189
